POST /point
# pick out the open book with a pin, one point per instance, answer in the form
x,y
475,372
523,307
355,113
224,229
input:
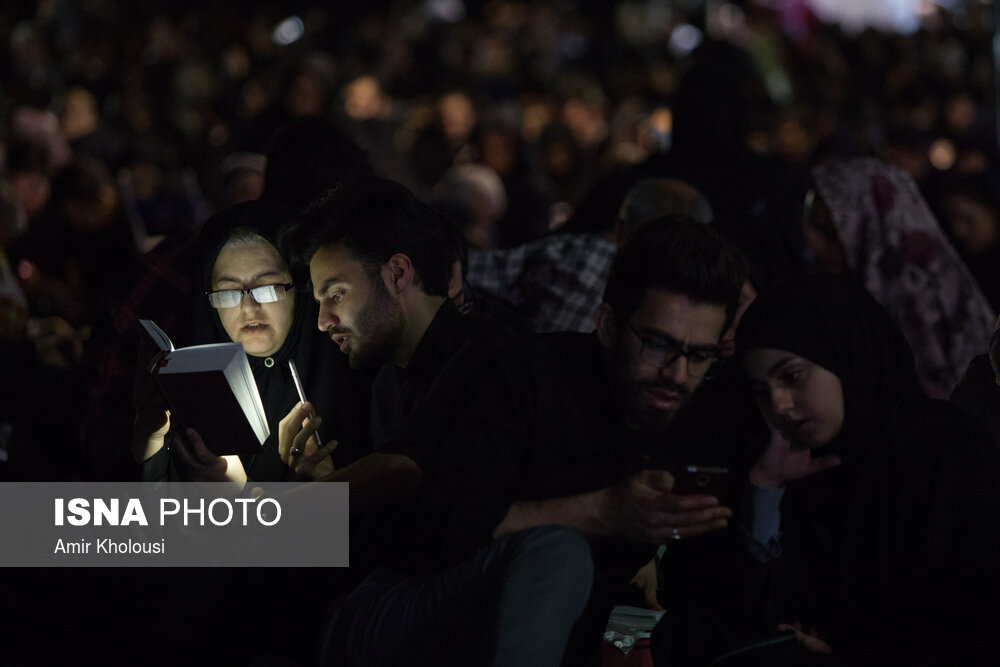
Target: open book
x,y
211,389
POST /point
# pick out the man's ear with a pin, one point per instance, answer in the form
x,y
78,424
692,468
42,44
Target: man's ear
x,y
607,325
399,273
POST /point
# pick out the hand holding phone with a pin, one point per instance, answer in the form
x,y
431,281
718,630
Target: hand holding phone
x,y
701,480
302,397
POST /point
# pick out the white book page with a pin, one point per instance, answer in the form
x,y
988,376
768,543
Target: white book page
x,y
245,389
201,358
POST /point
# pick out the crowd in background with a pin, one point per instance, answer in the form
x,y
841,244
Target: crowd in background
x,y
125,124
543,134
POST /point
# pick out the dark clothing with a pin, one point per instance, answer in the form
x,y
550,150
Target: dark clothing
x,y
396,388
832,322
161,292
86,277
589,448
513,602
491,422
469,403
88,265
37,443
985,268
891,555
894,557
337,393
720,426
979,395
468,411
596,450
774,253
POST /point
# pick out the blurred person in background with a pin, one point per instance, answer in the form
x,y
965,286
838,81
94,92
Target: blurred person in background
x,y
28,172
971,216
40,356
500,146
86,130
558,281
479,194
869,220
73,258
308,156
445,141
240,179
307,90
368,115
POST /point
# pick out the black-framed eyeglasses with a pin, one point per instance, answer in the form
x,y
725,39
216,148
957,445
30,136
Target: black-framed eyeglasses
x,y
228,298
662,351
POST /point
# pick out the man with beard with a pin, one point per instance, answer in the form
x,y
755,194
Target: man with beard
x,y
478,501
672,291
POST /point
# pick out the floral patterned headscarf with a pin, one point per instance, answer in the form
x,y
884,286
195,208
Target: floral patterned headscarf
x,y
896,249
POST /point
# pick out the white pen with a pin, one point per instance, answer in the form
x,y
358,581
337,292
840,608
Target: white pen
x,y
302,394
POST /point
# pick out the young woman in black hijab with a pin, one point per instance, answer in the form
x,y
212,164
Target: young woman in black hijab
x,y
238,251
885,545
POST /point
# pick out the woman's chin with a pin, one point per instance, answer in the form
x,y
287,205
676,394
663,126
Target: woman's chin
x,y
259,348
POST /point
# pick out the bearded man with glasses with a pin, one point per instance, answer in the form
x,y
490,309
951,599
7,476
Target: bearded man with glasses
x,y
671,293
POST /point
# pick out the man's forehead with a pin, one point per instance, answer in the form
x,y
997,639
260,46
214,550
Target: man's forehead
x,y
332,260
680,317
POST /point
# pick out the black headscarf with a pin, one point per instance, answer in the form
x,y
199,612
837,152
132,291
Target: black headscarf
x,y
834,323
913,501
336,392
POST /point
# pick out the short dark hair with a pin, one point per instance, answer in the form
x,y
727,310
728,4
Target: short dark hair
x,y
682,255
375,219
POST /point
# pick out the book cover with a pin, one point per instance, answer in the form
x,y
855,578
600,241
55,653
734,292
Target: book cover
x,y
211,389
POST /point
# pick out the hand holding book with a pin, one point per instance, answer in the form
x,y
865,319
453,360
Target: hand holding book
x,y
152,418
204,466
209,388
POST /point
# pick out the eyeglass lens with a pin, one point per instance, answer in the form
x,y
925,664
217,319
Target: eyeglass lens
x,y
699,364
229,298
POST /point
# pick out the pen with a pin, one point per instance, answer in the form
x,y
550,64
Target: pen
x,y
302,394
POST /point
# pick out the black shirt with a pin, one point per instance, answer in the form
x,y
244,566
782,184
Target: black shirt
x,y
492,418
465,411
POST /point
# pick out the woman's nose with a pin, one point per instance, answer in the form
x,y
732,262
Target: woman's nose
x,y
248,303
781,401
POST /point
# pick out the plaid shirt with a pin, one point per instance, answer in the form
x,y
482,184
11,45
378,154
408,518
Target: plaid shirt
x,y
557,281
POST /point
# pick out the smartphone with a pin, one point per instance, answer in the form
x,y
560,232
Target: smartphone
x,y
701,480
302,393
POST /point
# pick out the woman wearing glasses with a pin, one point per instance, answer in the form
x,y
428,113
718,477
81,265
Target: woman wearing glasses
x,y
248,296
